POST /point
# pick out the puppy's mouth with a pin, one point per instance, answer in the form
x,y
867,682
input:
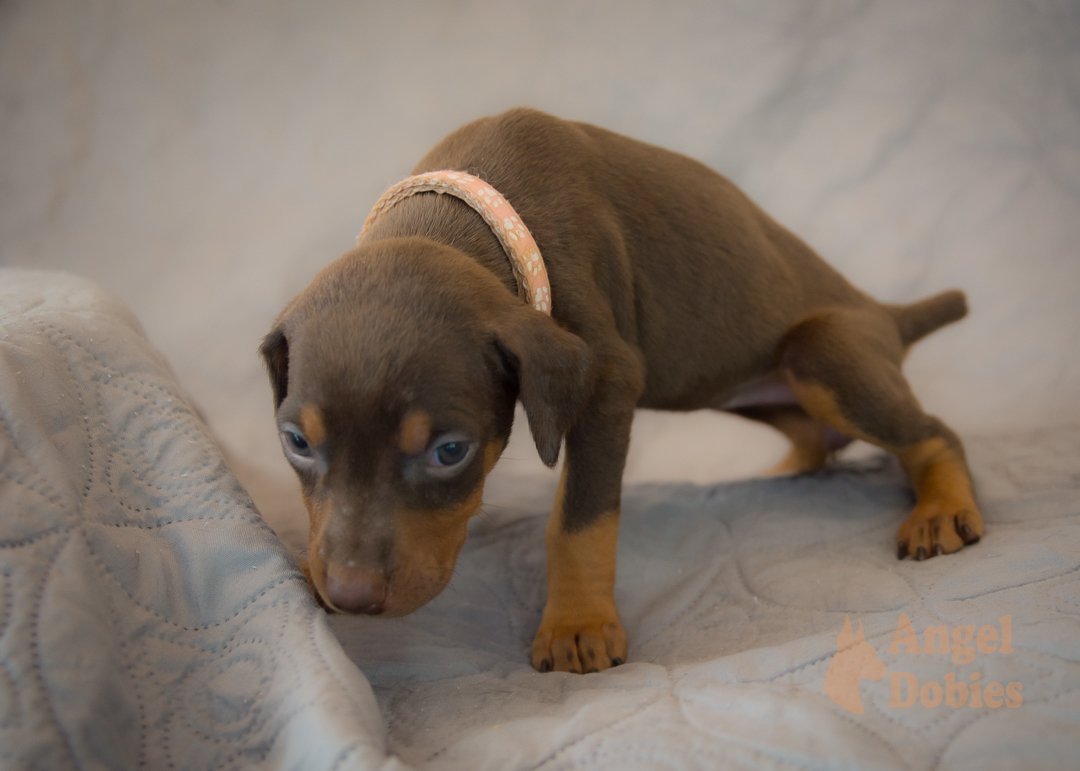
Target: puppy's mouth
x,y
353,589
404,563
411,567
373,592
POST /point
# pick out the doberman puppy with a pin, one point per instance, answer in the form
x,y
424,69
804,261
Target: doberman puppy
x,y
395,373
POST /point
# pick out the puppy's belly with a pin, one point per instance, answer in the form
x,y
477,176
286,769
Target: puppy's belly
x,y
768,390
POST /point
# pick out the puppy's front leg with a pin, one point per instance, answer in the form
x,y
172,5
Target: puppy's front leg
x,y
580,630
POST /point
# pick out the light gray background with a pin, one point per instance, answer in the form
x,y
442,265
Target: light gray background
x,y
203,160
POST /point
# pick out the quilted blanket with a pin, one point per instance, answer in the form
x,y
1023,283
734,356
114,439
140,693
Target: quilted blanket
x,y
150,618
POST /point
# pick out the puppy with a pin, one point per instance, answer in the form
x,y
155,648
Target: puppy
x,y
395,373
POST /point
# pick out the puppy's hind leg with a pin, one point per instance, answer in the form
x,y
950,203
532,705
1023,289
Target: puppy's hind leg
x,y
810,447
843,366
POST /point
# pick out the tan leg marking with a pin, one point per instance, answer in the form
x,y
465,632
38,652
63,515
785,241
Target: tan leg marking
x,y
580,630
808,450
945,518
311,423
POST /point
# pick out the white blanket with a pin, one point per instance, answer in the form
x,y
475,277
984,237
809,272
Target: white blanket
x,y
148,616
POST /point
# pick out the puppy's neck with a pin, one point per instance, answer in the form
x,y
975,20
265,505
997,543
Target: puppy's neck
x,y
449,221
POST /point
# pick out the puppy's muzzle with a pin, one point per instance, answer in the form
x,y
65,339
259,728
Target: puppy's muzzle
x,y
356,589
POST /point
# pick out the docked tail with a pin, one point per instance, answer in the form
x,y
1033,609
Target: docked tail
x,y
919,319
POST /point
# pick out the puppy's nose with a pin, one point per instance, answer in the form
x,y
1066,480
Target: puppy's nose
x,y
356,589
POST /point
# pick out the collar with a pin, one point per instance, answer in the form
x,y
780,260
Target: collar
x,y
517,242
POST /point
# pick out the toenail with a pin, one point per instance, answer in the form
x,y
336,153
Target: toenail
x,y
939,550
920,553
616,661
545,665
901,551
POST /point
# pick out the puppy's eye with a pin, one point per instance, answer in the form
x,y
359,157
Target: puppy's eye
x,y
449,455
295,443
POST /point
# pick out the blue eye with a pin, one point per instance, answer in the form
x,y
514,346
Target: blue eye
x,y
451,453
296,443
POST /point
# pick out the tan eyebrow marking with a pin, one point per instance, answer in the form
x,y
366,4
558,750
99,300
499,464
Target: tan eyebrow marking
x,y
311,423
415,432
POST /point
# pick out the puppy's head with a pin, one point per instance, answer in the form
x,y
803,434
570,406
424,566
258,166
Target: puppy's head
x,y
394,378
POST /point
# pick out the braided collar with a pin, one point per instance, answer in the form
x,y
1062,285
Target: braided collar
x,y
528,266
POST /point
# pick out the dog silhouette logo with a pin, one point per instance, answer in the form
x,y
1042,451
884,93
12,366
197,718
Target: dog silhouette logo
x,y
855,660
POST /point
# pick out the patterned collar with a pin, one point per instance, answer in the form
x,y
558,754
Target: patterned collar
x,y
517,242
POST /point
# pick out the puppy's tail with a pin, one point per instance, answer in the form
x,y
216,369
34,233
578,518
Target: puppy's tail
x,y
919,319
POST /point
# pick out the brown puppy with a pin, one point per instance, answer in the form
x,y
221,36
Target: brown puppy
x,y
396,372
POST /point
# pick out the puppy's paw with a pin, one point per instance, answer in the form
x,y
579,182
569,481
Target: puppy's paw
x,y
594,644
938,528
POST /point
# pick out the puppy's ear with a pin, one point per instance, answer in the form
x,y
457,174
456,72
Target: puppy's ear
x,y
275,352
554,372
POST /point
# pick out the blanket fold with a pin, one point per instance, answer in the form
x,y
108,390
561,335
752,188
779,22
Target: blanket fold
x,y
148,616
